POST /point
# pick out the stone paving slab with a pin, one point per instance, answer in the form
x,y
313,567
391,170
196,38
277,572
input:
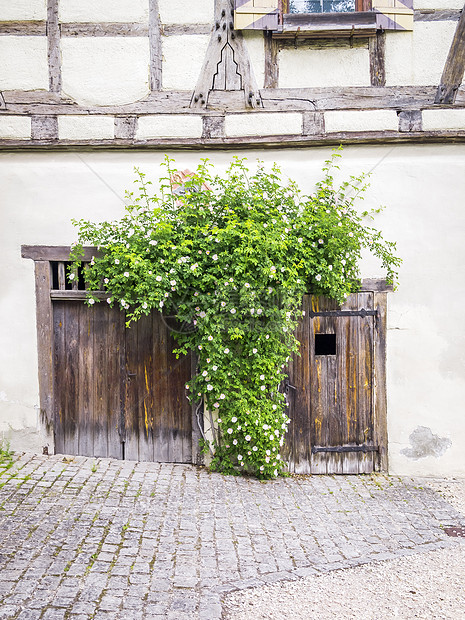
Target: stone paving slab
x,y
84,538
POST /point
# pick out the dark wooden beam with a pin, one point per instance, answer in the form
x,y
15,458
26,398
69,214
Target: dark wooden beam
x,y
454,68
44,321
376,47
271,61
155,47
53,252
54,53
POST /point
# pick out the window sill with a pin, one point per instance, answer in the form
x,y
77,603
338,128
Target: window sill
x,y
324,25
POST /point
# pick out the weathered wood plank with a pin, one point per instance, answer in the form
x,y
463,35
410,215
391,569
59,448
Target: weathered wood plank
x,y
185,29
410,120
278,141
365,429
155,46
54,51
131,400
271,61
313,123
125,127
380,401
213,127
377,51
114,342
454,68
145,402
59,385
300,410
103,29
71,377
87,370
54,252
23,28
45,344
161,448
44,127
375,284
100,385
273,99
317,397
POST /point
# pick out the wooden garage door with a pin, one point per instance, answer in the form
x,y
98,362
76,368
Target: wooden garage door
x,y
331,389
118,392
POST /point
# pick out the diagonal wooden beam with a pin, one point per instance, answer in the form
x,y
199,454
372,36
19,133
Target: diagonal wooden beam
x,y
454,68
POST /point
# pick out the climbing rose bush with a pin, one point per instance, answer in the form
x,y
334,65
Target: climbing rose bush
x,y
230,257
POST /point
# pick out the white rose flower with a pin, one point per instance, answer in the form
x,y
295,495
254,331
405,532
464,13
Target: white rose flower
x,y
91,302
108,300
222,396
254,351
116,261
126,274
239,457
226,351
230,430
234,419
318,277
263,387
158,278
209,387
248,438
255,448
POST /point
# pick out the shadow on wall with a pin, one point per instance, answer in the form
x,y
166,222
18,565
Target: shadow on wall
x,y
423,443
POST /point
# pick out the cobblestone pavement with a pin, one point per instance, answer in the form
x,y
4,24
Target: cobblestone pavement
x,y
86,538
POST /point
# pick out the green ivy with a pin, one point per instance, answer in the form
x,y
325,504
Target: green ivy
x,y
231,258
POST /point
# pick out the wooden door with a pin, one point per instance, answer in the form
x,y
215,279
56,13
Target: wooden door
x,y
331,389
118,392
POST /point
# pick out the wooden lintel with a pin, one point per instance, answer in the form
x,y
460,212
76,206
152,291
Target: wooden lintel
x,y
454,68
378,285
54,252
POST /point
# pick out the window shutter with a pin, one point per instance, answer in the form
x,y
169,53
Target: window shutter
x,y
393,14
256,14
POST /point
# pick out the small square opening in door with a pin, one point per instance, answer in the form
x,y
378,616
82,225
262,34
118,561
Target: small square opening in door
x,y
325,344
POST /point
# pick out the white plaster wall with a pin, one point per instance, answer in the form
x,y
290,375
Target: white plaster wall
x,y
418,57
444,119
192,12
263,124
169,126
438,4
422,188
105,70
183,58
23,10
23,63
255,43
337,66
103,10
15,127
361,120
74,127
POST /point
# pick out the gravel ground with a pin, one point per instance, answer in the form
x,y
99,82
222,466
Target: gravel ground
x,y
424,585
